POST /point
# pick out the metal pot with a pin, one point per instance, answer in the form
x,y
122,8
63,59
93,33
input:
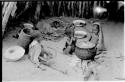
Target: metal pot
x,y
85,52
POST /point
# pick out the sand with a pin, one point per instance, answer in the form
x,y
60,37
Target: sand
x,y
111,67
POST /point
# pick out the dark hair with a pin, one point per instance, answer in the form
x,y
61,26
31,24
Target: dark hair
x,y
97,28
69,31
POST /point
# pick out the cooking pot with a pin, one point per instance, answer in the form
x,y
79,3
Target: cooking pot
x,y
85,50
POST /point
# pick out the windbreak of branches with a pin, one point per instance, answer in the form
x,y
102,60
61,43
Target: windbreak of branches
x,y
34,11
9,8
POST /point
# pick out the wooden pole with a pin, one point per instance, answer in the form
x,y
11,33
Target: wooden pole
x,y
37,13
80,6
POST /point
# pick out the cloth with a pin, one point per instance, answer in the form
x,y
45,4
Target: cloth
x,y
94,39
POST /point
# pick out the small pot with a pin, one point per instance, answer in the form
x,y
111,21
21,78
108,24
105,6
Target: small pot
x,y
25,38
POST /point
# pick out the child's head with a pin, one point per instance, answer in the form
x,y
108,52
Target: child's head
x,y
95,29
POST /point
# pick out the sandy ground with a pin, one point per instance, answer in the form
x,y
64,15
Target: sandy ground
x,y
110,69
